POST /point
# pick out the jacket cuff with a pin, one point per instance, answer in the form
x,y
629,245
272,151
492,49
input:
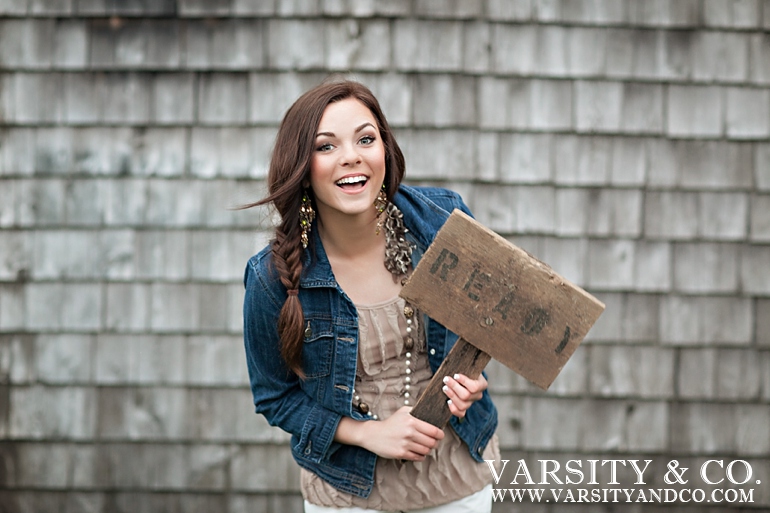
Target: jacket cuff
x,y
318,433
479,426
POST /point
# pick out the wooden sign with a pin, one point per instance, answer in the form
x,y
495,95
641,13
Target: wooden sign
x,y
502,302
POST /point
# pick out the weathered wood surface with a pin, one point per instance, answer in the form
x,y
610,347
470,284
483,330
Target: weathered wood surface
x,y
463,358
500,299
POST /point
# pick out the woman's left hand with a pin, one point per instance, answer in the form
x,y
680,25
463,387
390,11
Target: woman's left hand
x,y
462,392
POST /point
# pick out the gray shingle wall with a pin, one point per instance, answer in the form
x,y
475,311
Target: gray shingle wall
x,y
626,143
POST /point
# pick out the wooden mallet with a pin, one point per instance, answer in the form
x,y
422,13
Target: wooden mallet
x,y
502,302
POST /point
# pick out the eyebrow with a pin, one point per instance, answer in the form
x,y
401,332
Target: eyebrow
x,y
331,134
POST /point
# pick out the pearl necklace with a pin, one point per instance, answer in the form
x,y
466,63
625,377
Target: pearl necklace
x,y
398,258
409,347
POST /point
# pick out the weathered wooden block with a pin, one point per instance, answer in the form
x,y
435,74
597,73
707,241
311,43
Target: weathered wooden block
x,y
502,302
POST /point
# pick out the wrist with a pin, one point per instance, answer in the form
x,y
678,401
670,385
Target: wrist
x,y
353,432
363,432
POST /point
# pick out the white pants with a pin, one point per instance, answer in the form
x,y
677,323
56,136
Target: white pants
x,y
479,502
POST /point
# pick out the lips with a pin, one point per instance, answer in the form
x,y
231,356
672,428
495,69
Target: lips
x,y
352,182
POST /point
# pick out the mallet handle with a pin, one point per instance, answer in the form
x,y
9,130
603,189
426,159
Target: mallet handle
x,y
463,358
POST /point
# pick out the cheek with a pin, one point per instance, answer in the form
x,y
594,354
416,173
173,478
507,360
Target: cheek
x,y
314,178
318,166
378,158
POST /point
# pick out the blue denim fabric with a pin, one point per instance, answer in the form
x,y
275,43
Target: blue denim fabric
x,y
311,409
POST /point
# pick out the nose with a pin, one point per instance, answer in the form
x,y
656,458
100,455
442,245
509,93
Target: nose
x,y
351,156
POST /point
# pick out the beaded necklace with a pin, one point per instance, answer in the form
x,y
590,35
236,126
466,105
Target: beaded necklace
x,y
398,259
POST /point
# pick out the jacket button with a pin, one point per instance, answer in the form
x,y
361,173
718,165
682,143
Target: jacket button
x,y
363,408
432,351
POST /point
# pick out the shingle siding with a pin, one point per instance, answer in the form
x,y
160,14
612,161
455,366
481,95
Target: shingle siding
x,y
626,143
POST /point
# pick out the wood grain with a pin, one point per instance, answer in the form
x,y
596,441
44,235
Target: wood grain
x,y
463,358
501,299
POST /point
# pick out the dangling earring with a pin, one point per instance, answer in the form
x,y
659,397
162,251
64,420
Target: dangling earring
x,y
379,205
306,216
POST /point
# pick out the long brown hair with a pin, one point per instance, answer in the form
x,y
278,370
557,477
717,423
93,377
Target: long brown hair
x,y
289,169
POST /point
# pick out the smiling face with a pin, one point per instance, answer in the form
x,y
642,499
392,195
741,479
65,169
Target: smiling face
x,y
348,165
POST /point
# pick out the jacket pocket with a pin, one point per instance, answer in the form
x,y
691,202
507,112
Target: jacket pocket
x,y
318,348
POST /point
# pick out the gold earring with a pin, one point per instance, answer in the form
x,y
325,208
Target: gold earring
x,y
379,205
306,216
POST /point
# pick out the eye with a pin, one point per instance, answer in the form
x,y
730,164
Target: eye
x,y
367,139
324,147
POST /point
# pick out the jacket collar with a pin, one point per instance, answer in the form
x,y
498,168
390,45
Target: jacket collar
x,y
421,215
316,269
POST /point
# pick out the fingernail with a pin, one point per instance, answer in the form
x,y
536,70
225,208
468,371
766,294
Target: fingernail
x,y
445,388
457,376
446,379
449,401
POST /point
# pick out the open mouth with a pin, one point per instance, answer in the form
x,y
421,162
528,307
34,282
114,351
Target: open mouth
x,y
352,182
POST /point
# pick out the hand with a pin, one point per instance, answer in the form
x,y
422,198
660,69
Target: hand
x,y
462,392
401,436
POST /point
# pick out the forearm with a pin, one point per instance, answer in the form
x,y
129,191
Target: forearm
x,y
352,432
400,436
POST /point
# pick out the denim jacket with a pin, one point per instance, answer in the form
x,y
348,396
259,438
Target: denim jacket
x,y
311,409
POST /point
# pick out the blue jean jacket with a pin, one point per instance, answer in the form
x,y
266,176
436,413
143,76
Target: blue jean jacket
x,y
311,409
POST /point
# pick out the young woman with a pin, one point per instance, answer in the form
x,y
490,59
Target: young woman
x,y
336,358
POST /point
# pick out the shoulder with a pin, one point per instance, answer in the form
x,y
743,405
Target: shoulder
x,y
426,209
261,263
260,276
445,199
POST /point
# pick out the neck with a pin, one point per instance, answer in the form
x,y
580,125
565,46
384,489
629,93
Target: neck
x,y
350,237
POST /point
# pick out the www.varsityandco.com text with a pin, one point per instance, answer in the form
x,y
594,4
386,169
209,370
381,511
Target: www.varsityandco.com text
x,y
623,480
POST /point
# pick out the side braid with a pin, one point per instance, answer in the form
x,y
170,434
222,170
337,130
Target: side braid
x,y
287,258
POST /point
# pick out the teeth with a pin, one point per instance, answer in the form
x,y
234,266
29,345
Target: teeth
x,y
351,179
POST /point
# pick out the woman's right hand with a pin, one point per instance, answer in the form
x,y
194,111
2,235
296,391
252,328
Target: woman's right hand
x,y
400,436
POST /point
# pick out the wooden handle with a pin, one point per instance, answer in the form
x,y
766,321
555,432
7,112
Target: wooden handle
x,y
463,358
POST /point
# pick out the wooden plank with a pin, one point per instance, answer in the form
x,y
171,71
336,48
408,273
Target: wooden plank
x,y
463,358
501,299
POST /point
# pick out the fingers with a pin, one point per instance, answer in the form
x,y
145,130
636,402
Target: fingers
x,y
400,436
418,437
464,388
417,447
416,451
405,449
455,410
422,427
462,392
458,396
421,443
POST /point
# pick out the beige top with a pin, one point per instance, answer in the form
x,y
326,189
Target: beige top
x,y
449,472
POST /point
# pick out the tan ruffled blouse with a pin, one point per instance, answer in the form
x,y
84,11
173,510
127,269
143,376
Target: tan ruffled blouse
x,y
449,472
